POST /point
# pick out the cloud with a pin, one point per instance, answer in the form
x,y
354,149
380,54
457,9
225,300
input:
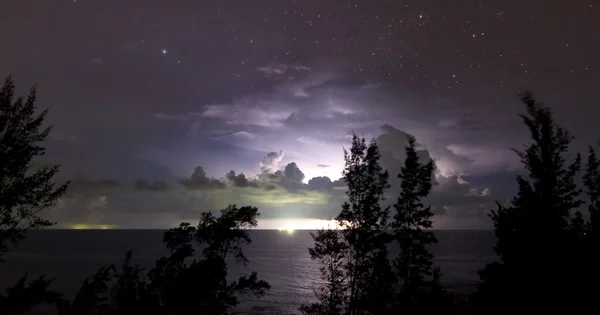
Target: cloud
x,y
199,180
293,173
177,117
158,185
320,183
277,188
84,183
278,70
450,195
240,180
271,161
248,112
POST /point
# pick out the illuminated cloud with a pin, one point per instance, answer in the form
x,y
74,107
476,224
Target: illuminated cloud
x,y
280,190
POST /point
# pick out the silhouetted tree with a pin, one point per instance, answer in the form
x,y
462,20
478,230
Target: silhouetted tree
x,y
591,181
330,251
589,243
420,290
364,223
24,191
534,233
179,284
24,296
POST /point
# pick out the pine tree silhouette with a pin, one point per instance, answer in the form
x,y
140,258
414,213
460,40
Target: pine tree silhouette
x,y
420,291
369,273
535,232
24,190
591,181
330,251
356,269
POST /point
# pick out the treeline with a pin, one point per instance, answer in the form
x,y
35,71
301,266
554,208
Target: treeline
x,y
548,252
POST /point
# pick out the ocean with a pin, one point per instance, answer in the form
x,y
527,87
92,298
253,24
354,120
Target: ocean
x,y
281,258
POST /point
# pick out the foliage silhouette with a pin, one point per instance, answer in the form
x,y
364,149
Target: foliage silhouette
x,y
364,221
179,284
591,180
420,290
536,233
365,285
24,190
330,251
589,240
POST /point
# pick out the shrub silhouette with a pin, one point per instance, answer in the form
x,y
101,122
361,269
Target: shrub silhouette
x,y
25,188
179,283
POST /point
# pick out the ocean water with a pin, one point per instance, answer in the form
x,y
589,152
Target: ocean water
x,y
279,257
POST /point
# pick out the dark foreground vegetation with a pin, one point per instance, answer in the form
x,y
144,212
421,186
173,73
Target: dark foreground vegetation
x,y
548,252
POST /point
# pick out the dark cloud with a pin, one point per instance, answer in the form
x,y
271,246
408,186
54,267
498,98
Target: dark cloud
x,y
144,184
270,187
320,183
199,180
84,183
451,195
240,180
293,173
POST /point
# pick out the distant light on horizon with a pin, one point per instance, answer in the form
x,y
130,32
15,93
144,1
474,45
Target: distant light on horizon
x,y
296,224
91,227
287,230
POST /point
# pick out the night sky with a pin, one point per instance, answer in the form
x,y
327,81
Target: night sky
x,y
154,102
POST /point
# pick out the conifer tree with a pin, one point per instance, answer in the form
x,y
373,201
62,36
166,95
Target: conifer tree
x,y
364,223
534,231
591,180
355,266
330,251
590,251
24,190
418,278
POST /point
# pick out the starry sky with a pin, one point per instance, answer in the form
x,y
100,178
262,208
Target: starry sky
x,y
156,102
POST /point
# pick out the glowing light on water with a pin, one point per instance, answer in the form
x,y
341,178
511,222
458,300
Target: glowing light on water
x,y
296,224
288,230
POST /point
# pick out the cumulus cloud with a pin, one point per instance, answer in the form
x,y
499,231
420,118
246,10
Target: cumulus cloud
x,y
293,173
199,180
239,180
320,183
450,194
270,162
